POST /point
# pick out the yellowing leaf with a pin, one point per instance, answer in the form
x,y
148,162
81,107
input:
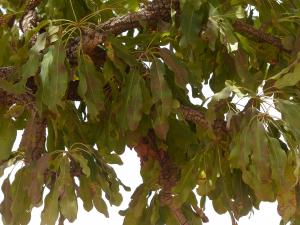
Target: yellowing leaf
x,y
286,203
83,163
68,201
85,192
8,134
21,205
99,203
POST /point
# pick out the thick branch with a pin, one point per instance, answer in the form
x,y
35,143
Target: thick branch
x,y
189,114
7,20
155,11
160,10
169,174
34,137
29,21
194,116
257,34
197,117
5,72
32,4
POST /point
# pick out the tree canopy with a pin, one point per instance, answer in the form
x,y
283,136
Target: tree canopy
x,y
84,78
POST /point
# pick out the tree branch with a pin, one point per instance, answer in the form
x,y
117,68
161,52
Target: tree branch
x,y
5,72
169,174
258,35
27,99
197,117
7,20
153,12
34,138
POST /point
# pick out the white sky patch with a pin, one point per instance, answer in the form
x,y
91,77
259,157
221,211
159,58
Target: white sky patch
x,y
206,91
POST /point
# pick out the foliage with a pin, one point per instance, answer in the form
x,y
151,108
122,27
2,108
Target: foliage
x,y
84,79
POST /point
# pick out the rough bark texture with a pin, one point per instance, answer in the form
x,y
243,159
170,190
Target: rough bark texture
x,y
34,137
5,72
29,21
257,35
169,174
7,20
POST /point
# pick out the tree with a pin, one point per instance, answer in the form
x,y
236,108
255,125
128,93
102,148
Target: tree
x,y
85,78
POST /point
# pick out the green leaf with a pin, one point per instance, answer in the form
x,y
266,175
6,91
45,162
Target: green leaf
x,y
68,201
240,150
137,206
181,74
287,196
30,68
226,92
8,134
133,101
85,192
99,203
181,139
122,52
83,163
50,212
54,77
40,43
278,160
259,175
290,115
154,210
90,86
289,79
219,205
147,100
162,96
187,182
242,203
113,159
21,205
191,19
62,186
